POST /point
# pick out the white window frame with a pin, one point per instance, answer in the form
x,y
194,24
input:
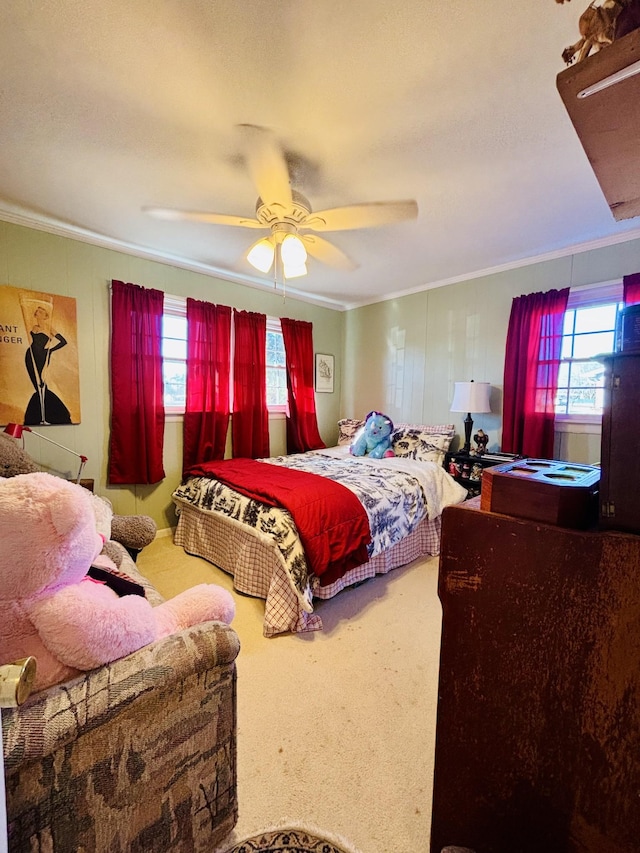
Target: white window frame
x,y
274,325
176,306
585,297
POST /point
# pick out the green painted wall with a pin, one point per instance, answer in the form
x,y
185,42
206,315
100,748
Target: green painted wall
x,y
36,260
404,355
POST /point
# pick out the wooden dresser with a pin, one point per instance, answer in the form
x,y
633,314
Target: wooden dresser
x,y
538,729
620,456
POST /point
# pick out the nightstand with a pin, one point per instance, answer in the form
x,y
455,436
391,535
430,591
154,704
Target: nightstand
x,y
467,468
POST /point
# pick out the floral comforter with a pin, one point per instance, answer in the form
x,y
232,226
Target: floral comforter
x,y
397,493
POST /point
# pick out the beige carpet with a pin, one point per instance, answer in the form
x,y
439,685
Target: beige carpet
x,y
335,728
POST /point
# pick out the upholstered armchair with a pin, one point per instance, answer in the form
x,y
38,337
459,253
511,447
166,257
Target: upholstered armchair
x,y
138,755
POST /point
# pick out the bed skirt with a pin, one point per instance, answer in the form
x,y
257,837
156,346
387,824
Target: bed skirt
x,y
257,572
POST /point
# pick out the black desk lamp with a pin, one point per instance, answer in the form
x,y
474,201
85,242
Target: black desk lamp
x,y
470,397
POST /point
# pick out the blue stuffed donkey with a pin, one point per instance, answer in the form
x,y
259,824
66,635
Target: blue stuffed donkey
x,y
374,439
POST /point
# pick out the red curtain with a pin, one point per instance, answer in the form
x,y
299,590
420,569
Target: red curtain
x,y
137,404
206,417
631,289
532,359
250,423
302,424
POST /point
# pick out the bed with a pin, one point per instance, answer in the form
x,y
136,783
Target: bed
x,y
245,529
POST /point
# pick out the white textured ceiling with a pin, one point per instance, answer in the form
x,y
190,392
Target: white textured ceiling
x,y
106,107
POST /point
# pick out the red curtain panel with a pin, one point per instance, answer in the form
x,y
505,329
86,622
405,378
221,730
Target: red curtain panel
x,y
532,360
250,422
302,423
631,289
206,417
137,404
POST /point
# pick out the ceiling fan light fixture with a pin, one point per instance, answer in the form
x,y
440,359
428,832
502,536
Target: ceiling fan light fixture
x,y
288,214
293,253
261,254
294,271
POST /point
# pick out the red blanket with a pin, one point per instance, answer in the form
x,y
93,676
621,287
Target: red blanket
x,y
332,523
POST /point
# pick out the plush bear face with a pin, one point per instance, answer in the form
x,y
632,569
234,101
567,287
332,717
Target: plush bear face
x,y
48,536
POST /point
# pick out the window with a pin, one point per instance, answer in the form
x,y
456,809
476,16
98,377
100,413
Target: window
x,y
174,354
276,368
174,359
589,330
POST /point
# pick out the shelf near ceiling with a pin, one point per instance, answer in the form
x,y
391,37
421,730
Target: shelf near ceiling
x,y
608,121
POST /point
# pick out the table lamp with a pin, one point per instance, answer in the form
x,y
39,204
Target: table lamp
x,y
470,397
18,430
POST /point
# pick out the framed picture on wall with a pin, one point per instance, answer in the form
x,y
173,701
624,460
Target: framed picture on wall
x,y
324,373
39,369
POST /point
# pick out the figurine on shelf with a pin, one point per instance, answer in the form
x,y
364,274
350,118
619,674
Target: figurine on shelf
x,y
481,439
598,27
476,472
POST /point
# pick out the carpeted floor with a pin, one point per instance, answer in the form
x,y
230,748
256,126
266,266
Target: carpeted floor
x,y
291,839
336,729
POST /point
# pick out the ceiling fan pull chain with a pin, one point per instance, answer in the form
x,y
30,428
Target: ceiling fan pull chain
x,y
278,267
275,265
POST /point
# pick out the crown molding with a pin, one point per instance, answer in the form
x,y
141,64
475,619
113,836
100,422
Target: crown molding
x,y
16,216
575,249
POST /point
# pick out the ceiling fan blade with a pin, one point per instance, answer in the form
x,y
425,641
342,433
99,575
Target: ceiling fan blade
x,y
327,253
267,165
365,215
198,216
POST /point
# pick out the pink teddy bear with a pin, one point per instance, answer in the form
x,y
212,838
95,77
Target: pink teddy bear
x,y
51,609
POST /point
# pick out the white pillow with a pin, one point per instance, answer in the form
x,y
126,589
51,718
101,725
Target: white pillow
x,y
421,445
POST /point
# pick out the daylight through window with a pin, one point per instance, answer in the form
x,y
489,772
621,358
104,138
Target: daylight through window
x,y
276,367
174,359
589,331
174,354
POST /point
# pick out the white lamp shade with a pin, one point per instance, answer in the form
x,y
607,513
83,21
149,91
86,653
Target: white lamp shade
x,y
293,252
294,271
471,397
261,254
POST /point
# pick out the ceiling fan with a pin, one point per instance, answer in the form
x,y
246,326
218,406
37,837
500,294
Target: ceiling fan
x,y
288,215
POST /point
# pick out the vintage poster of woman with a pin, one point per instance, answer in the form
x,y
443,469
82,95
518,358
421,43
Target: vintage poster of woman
x,y
39,375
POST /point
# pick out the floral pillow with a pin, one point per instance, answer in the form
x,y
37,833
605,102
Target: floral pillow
x,y
429,428
347,428
421,445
